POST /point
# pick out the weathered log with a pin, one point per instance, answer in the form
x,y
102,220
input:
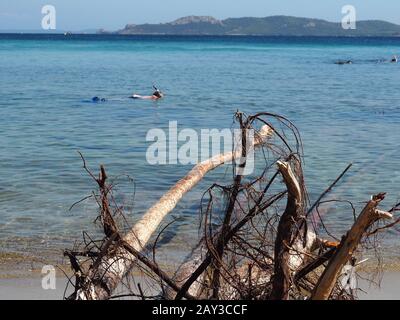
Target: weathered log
x,y
286,258
348,245
104,279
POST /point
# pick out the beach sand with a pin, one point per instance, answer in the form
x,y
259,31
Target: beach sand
x,y
31,289
389,288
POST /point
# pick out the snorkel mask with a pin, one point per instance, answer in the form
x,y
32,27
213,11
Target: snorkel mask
x,y
158,92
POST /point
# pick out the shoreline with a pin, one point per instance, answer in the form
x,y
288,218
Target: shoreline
x,y
21,277
15,265
30,289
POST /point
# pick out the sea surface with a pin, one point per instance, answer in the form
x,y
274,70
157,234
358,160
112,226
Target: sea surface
x,y
345,113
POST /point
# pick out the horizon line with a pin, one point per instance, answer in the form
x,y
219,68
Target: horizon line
x,y
87,29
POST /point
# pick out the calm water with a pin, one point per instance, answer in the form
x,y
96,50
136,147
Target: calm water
x,y
345,113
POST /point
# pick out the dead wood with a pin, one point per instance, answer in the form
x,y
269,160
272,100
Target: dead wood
x,y
349,243
102,280
257,247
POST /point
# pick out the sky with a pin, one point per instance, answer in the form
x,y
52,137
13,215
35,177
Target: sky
x,y
75,15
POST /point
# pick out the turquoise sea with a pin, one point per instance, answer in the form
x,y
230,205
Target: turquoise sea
x,y
348,113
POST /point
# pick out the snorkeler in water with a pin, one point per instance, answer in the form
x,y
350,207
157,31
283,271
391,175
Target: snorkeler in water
x,y
157,94
344,62
97,99
394,59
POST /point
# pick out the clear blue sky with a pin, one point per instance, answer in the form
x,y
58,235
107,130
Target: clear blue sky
x,y
113,14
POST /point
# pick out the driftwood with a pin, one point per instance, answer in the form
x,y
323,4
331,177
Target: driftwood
x,y
103,279
293,258
289,219
257,247
345,251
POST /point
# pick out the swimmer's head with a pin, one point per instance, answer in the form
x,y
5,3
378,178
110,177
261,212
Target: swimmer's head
x,y
158,94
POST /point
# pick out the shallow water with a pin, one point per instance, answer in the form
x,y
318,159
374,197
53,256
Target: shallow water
x,y
345,114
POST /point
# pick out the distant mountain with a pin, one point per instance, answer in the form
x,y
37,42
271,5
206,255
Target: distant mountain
x,y
268,26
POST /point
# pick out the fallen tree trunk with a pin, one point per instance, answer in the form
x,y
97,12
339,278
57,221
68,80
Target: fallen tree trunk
x,y
103,280
289,219
349,243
